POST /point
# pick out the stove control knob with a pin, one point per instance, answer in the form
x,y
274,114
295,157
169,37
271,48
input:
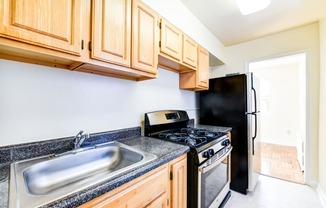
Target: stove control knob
x,y
211,152
206,154
226,142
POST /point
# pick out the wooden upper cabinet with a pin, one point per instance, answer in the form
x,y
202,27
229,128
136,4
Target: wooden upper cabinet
x,y
171,40
111,31
54,24
189,51
197,80
144,38
203,67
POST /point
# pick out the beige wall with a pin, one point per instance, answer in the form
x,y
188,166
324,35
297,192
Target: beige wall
x,y
322,110
294,40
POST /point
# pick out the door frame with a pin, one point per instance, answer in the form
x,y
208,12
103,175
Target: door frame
x,y
307,140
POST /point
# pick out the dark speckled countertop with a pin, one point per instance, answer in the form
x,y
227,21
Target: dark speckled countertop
x,y
165,151
211,128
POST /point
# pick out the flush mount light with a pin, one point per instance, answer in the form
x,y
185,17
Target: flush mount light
x,y
251,6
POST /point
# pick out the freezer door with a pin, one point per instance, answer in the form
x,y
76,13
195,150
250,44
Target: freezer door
x,y
254,135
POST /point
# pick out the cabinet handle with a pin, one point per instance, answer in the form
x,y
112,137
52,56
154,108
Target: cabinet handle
x,y
90,45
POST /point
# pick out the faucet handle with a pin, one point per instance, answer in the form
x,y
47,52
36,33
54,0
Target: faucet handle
x,y
80,133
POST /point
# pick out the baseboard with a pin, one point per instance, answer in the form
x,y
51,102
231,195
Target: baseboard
x,y
321,195
312,183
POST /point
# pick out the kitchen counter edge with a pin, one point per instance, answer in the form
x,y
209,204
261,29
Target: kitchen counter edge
x,y
165,152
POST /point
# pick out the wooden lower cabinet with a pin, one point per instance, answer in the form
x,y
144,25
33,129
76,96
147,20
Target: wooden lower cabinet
x,y
178,182
156,189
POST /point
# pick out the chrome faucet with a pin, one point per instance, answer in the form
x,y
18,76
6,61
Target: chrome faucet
x,y
79,139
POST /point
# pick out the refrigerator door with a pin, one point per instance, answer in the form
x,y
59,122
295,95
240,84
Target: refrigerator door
x,y
253,126
225,104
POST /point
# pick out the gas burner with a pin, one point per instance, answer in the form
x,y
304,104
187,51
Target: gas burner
x,y
168,136
209,134
180,134
193,137
190,130
192,140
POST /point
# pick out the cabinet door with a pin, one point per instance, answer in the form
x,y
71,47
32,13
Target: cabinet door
x,y
54,24
111,31
159,202
189,53
203,67
144,38
171,40
149,190
179,184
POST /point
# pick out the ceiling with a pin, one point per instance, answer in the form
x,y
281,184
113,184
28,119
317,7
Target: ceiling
x,y
224,20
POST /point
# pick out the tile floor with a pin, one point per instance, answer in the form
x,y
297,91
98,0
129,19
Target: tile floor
x,y
280,161
275,193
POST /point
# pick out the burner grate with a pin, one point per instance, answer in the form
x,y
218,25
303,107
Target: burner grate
x,y
188,138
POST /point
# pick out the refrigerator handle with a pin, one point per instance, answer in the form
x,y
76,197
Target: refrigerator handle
x,y
254,137
254,114
255,99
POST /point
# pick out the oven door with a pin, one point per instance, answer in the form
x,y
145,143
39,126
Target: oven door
x,y
214,179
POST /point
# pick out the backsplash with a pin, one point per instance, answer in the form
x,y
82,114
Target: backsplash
x,y
39,102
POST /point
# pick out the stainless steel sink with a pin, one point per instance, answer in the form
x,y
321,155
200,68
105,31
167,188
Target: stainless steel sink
x,y
38,181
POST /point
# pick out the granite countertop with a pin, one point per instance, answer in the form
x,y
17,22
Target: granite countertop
x,y
165,152
211,128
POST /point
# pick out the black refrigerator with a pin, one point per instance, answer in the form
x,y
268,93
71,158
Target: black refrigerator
x,y
233,101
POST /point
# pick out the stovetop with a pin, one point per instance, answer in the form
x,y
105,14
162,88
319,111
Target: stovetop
x,y
193,137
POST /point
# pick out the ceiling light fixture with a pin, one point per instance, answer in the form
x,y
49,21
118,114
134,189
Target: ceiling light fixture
x,y
251,6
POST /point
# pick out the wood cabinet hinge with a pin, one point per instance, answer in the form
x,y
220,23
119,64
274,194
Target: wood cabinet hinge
x,y
168,202
160,25
90,45
82,44
159,44
171,176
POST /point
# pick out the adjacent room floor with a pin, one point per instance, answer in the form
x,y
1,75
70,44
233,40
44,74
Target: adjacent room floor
x,y
275,193
281,162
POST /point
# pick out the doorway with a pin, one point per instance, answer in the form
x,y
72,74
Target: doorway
x,y
283,116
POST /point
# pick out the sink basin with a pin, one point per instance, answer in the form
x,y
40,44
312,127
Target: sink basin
x,y
38,181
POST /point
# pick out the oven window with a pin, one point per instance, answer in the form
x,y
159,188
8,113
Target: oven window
x,y
212,183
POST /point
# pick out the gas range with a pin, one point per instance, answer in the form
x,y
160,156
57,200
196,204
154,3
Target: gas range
x,y
172,125
198,139
208,166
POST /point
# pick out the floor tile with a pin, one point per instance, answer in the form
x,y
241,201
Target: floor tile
x,y
275,193
280,161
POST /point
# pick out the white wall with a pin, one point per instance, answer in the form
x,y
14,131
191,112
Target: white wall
x,y
179,15
38,103
294,40
322,110
280,123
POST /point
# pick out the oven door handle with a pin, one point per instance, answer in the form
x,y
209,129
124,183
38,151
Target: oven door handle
x,y
204,167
